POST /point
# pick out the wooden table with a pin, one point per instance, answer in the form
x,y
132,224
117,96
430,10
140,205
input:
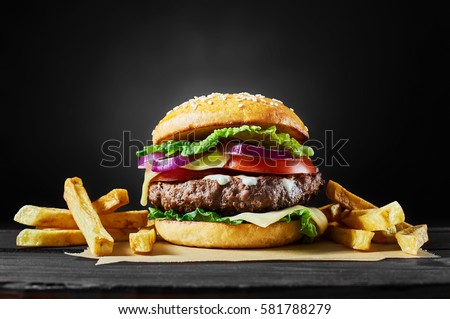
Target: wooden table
x,y
48,273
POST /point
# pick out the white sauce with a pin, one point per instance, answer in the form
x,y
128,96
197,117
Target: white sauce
x,y
288,184
219,178
225,179
248,180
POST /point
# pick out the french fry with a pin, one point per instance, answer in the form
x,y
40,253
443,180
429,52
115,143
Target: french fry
x,y
99,241
121,234
375,218
118,234
51,237
143,240
150,223
388,236
47,217
412,238
334,212
352,238
125,219
108,203
337,193
62,218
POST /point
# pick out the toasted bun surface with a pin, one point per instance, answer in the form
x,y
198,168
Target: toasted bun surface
x,y
204,114
221,235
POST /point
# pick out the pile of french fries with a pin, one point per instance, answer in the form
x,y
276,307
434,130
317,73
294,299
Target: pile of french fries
x,y
356,223
96,224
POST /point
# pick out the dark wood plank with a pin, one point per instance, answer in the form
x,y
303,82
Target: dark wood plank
x,y
31,271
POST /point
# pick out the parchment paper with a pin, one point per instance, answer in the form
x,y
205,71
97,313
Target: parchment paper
x,y
321,250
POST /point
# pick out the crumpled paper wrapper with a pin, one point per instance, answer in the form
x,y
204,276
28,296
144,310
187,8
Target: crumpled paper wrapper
x,y
321,250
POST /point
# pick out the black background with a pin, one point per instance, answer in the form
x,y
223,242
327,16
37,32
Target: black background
x,y
76,75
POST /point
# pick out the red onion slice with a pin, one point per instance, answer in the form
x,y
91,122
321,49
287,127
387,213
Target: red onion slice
x,y
169,163
147,160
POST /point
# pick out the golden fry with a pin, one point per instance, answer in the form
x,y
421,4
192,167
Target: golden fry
x,y
337,193
143,240
375,218
98,239
121,234
47,217
352,238
388,236
108,203
52,237
412,238
125,219
334,212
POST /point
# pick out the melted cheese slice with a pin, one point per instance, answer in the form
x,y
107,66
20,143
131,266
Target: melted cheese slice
x,y
266,219
148,176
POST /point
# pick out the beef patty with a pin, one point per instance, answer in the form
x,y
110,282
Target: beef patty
x,y
271,192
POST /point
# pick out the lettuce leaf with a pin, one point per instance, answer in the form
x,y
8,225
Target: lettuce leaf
x,y
198,215
269,138
307,228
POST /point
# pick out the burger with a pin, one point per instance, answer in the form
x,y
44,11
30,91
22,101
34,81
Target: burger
x,y
231,171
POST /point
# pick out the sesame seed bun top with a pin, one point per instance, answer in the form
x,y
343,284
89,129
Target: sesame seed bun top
x,y
202,115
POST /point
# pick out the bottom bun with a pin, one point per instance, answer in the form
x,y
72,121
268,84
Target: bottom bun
x,y
222,235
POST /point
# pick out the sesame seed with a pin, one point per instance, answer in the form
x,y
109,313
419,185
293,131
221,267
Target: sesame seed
x,y
240,105
210,102
271,103
291,109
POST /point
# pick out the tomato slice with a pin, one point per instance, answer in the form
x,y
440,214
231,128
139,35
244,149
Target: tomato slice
x,y
238,164
265,165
